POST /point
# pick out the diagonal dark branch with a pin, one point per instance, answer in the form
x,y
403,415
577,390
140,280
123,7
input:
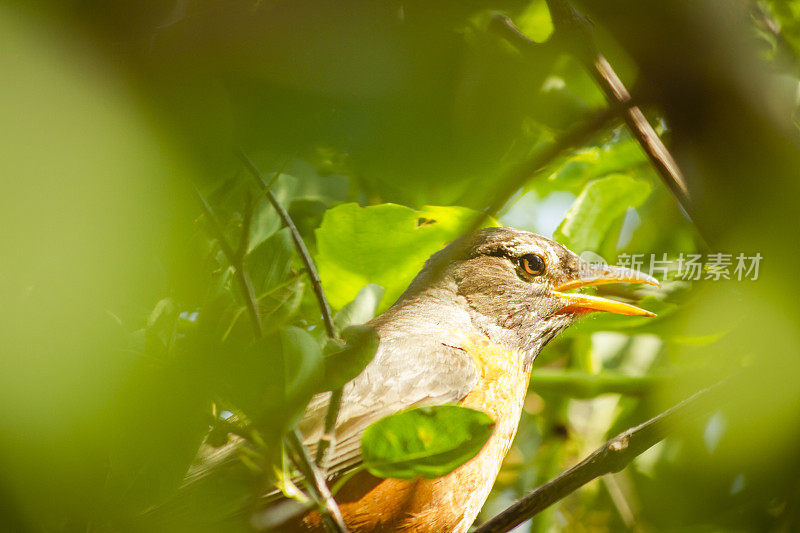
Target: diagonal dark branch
x,y
326,442
643,132
576,33
331,515
522,172
302,250
611,457
316,480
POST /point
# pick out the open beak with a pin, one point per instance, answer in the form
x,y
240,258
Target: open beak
x,y
602,275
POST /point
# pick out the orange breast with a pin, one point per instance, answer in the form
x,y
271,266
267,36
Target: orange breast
x,y
449,503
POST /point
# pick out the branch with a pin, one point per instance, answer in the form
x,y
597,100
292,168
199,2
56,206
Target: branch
x,y
326,441
331,514
611,457
299,245
569,22
329,510
519,174
522,172
236,260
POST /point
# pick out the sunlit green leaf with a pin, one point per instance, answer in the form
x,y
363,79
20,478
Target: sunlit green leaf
x,y
362,309
268,264
601,203
535,21
424,442
384,244
621,154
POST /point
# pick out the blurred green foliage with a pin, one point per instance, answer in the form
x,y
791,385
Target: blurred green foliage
x,y
129,365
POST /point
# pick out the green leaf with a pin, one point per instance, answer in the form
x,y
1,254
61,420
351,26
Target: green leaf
x,y
265,220
302,363
362,309
424,442
161,327
268,264
620,155
344,365
535,21
272,379
384,244
600,204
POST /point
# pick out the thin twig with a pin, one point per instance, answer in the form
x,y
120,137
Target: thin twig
x,y
576,32
522,172
305,256
316,480
236,261
611,457
326,442
329,509
244,236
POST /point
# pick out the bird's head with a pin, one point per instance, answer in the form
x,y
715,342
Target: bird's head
x,y
516,285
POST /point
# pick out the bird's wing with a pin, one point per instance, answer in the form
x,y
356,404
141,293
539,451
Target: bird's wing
x,y
406,371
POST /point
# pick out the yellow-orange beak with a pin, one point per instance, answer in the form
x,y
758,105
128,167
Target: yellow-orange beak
x,y
602,275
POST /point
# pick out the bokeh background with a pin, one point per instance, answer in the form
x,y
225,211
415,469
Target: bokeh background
x,y
124,341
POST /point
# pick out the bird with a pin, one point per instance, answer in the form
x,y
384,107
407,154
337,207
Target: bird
x,y
466,331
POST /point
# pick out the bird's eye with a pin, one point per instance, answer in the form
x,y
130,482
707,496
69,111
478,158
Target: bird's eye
x,y
533,264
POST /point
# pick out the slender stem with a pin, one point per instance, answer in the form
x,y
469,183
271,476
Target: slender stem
x,y
311,268
236,261
522,172
302,251
244,236
643,132
332,519
326,441
329,509
611,457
